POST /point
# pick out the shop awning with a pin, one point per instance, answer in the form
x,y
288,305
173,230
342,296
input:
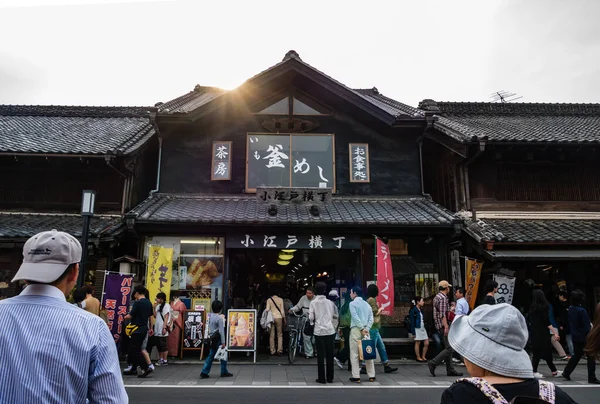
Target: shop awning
x,y
246,210
18,225
532,255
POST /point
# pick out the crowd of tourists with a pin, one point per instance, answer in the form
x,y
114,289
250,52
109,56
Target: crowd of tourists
x,y
491,340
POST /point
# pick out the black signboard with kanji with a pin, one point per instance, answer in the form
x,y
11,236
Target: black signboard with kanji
x,y
290,160
295,241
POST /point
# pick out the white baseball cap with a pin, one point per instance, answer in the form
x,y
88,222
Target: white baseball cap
x,y
47,255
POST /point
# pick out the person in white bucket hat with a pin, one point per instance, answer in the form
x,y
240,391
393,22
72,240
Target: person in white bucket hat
x,y
492,342
52,351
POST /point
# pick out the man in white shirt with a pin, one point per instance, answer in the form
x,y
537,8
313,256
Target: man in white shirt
x,y
462,306
60,354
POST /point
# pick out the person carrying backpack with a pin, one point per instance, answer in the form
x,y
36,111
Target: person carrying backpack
x,y
492,342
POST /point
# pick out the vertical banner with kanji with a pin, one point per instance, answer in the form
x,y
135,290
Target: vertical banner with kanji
x,y
117,295
473,274
506,288
159,271
385,277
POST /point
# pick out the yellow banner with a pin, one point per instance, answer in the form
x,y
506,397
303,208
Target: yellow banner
x,y
473,274
159,272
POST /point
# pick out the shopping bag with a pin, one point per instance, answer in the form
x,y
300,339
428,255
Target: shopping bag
x,y
221,354
366,348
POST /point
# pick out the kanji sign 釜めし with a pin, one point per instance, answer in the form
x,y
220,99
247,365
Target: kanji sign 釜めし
x,y
385,278
309,196
305,242
221,161
159,271
359,162
289,160
116,298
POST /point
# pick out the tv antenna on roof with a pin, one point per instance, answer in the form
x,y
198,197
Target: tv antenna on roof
x,y
504,96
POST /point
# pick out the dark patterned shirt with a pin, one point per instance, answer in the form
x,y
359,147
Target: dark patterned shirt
x,y
440,307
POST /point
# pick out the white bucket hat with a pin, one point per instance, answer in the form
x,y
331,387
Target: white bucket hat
x,y
47,255
493,337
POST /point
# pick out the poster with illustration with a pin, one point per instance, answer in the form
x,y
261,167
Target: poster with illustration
x,y
241,330
201,271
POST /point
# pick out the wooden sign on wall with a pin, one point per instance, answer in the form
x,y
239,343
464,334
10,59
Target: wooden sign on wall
x,y
221,161
359,162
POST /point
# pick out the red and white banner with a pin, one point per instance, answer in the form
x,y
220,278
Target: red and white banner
x,y
385,278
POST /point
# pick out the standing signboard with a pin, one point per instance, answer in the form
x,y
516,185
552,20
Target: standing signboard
x,y
194,323
241,331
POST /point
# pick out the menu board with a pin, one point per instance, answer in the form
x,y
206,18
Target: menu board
x,y
193,329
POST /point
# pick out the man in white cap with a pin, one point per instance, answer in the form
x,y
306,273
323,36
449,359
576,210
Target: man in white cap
x,y
51,350
440,308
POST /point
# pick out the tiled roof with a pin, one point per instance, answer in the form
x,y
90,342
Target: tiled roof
x,y
390,105
203,95
244,209
74,130
196,98
25,225
517,122
534,231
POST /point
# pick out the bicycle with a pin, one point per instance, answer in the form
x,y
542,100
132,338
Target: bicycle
x,y
296,325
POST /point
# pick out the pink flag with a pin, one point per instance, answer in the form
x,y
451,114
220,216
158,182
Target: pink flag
x,y
385,278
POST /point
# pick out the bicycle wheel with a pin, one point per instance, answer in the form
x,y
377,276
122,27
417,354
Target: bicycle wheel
x,y
293,346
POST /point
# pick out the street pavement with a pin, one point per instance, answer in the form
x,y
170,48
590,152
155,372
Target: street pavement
x,y
296,383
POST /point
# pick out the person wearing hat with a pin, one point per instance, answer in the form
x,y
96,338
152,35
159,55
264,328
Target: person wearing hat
x,y
492,342
440,308
51,350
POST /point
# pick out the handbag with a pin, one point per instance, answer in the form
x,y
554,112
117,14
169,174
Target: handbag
x,y
366,349
309,329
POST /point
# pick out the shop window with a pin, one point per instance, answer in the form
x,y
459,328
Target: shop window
x,y
290,160
197,268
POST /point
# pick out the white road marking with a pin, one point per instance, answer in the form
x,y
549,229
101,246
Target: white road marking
x,y
361,386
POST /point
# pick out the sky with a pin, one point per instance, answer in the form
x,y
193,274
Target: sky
x,y
114,52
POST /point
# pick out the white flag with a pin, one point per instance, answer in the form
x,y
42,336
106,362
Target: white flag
x,y
506,289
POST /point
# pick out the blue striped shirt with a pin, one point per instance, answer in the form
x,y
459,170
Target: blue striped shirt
x,y
54,352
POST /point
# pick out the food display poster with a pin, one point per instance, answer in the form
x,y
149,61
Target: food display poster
x,y
159,271
241,330
193,328
200,271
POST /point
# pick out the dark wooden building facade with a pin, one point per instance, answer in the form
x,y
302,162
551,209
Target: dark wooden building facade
x,y
291,126
49,154
526,178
